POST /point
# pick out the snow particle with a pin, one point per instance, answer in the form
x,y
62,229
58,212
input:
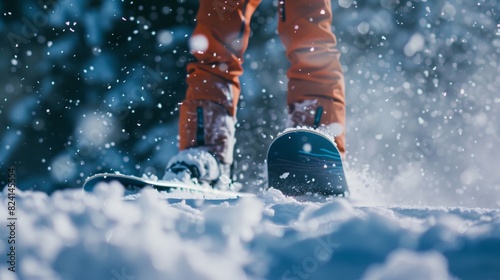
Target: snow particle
x,y
223,67
165,37
448,12
415,44
345,3
307,148
335,129
198,43
363,27
284,175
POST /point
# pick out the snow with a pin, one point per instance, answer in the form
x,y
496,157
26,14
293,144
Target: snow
x,y
404,264
94,86
152,235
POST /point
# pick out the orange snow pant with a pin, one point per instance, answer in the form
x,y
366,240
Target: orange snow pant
x,y
220,38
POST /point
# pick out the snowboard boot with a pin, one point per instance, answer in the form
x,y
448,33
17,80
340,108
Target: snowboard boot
x,y
198,166
320,114
207,138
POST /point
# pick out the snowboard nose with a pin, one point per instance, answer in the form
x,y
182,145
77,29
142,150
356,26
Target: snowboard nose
x,y
302,161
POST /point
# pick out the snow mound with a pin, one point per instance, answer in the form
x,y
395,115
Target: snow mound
x,y
403,264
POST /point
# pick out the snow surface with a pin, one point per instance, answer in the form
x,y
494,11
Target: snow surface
x,y
152,235
96,88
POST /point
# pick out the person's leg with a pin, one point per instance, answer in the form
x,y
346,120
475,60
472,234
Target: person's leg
x,y
208,113
316,82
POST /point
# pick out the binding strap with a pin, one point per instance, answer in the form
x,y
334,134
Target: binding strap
x,y
283,11
200,131
317,117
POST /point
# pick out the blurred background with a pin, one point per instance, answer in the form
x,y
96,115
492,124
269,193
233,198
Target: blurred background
x,y
93,86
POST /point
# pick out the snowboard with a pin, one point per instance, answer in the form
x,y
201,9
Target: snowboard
x,y
304,161
136,183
